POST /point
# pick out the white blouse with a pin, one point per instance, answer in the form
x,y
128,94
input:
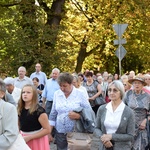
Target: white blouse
x,y
113,118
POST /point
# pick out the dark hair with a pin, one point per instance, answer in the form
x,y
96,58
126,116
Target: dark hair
x,y
36,79
80,74
65,77
89,74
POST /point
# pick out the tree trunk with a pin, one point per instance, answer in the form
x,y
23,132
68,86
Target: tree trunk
x,y
56,13
81,55
54,16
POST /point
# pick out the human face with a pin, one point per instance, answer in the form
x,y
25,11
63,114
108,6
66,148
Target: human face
x,y
100,80
116,76
130,77
89,78
35,83
38,67
75,83
126,86
147,80
27,94
105,77
114,93
66,88
55,74
21,72
2,94
137,85
110,80
81,78
10,88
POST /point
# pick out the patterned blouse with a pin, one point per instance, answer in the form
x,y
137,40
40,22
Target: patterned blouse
x,y
62,106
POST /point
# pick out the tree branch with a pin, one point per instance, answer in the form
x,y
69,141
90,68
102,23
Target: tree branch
x,y
10,4
78,6
73,37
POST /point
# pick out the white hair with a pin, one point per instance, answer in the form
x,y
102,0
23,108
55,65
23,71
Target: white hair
x,y
22,67
56,69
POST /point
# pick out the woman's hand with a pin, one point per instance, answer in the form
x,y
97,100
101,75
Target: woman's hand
x,y
108,144
106,137
27,138
50,137
142,126
73,115
91,99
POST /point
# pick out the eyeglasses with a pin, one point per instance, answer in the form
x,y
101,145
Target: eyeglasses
x,y
147,79
113,90
125,84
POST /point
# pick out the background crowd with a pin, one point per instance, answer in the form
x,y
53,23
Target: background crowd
x,y
48,107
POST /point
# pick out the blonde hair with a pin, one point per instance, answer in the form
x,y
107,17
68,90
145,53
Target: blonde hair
x,y
34,102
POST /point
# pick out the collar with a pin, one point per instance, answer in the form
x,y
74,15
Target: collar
x,y
73,92
38,72
119,108
21,79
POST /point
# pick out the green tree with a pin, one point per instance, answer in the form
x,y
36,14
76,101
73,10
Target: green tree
x,y
73,35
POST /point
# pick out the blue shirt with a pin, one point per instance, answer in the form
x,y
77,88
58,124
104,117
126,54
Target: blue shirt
x,y
49,89
62,106
19,83
41,76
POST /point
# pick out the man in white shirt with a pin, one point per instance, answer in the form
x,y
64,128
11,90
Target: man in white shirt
x,y
22,80
14,91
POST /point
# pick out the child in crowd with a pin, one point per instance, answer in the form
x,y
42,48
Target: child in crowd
x,y
33,121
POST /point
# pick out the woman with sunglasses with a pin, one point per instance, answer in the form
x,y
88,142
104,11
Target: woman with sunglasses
x,y
114,123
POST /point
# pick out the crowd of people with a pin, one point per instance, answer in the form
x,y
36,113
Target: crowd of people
x,y
44,109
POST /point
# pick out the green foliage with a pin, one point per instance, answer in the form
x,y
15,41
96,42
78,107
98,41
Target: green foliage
x,y
77,37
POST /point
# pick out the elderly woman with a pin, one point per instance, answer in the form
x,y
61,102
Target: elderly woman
x,y
77,83
114,122
62,116
8,121
139,101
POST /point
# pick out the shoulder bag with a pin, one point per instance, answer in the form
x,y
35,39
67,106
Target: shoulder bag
x,y
100,100
79,141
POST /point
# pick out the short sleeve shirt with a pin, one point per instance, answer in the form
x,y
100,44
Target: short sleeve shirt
x,y
29,122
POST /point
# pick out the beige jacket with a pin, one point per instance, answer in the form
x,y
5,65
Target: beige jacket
x,y
8,124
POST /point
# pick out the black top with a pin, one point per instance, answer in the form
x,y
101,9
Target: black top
x,y
29,122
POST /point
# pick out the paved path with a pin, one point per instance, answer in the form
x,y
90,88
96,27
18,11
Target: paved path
x,y
53,146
